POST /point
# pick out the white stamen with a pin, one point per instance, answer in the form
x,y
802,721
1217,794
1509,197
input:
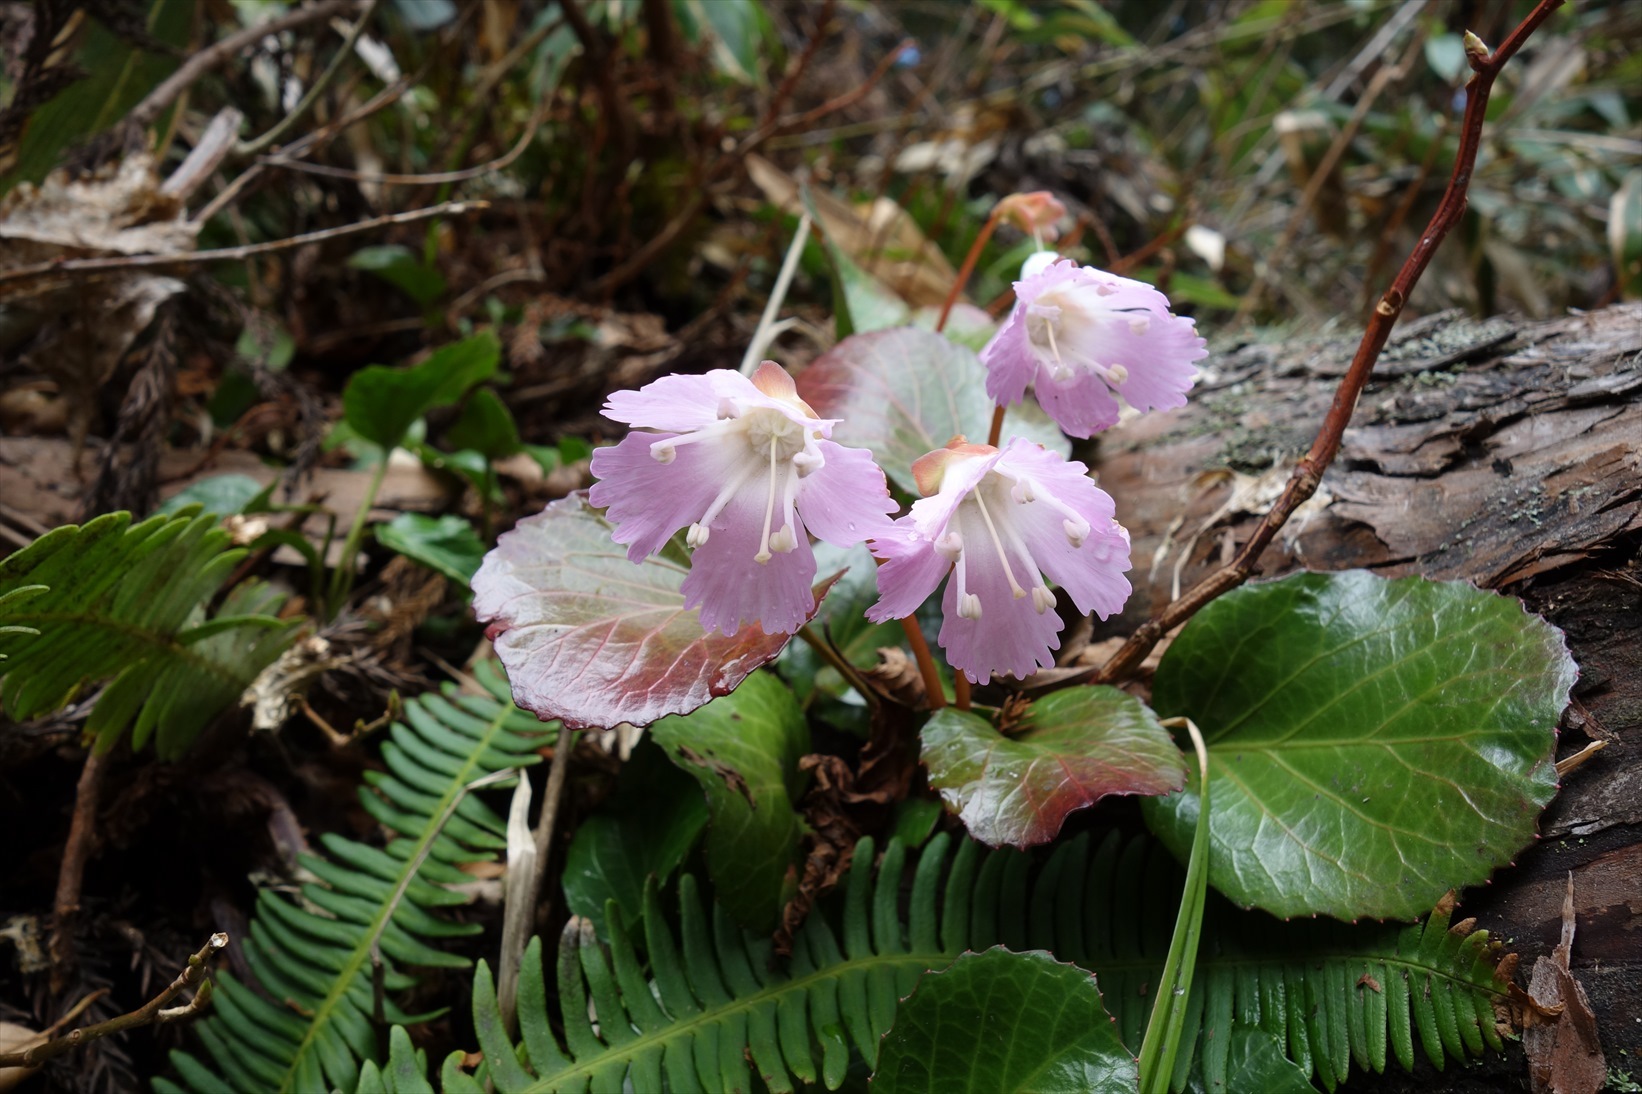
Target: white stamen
x,y
728,408
763,554
1022,492
1003,556
1060,370
807,462
1117,374
1042,598
969,606
783,540
696,536
950,546
1075,533
664,451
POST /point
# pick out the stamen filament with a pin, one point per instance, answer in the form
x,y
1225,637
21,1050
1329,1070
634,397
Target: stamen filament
x,y
769,511
1003,556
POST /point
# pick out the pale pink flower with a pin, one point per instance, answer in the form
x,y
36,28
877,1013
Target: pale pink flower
x,y
1002,521
748,468
1077,334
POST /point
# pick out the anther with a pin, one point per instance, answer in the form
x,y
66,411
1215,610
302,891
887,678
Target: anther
x,y
969,606
949,546
1042,598
1117,374
696,536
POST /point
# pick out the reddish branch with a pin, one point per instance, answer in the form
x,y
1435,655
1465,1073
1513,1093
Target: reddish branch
x,y
1308,473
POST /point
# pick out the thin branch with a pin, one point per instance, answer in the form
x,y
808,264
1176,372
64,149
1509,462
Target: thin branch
x,y
315,90
143,114
1308,473
153,1012
68,268
71,873
437,178
301,146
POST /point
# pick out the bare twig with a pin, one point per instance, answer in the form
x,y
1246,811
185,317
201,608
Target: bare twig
x,y
1308,473
772,307
315,89
437,178
378,102
153,1012
70,268
143,114
207,155
70,875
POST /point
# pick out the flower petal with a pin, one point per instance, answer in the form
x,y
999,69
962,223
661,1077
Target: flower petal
x,y
1011,364
1081,406
648,500
680,403
911,571
731,589
846,500
1011,638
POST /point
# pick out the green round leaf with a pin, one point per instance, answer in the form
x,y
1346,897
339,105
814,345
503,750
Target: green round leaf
x,y
1002,1021
1373,743
744,750
1068,751
902,393
595,640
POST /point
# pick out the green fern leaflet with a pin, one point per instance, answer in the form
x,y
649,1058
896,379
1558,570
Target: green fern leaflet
x,y
309,1024
122,602
701,1003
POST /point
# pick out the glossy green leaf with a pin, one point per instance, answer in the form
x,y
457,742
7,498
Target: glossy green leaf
x,y
1373,743
594,639
1002,1021
447,544
1069,750
904,392
645,829
744,749
380,403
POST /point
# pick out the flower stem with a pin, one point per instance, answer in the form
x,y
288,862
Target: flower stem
x,y
960,691
968,267
926,663
996,431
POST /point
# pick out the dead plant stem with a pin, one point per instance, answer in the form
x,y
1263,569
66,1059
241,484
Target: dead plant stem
x,y
71,875
152,1012
179,262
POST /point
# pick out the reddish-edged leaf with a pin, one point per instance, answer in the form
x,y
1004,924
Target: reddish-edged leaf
x,y
1071,749
904,392
595,640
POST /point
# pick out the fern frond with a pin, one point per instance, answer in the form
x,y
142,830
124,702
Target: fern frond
x,y
111,600
704,1000
310,1024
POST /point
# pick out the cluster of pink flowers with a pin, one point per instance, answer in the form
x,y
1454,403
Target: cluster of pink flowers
x,y
750,472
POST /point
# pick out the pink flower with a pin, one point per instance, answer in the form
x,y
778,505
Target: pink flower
x,y
746,466
1077,334
1002,521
